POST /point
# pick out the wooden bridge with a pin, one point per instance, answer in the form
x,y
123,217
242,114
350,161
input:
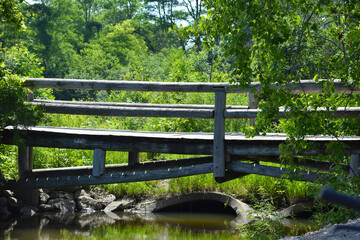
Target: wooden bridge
x,y
227,155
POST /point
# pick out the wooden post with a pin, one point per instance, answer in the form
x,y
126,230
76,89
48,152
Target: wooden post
x,y
354,165
30,95
253,104
25,160
25,166
133,158
99,162
219,134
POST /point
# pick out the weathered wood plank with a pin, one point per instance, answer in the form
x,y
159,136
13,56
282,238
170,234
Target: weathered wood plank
x,y
121,85
175,143
25,166
219,134
354,165
133,158
349,112
25,160
99,162
308,86
271,171
304,86
301,162
141,105
113,168
109,178
101,110
253,105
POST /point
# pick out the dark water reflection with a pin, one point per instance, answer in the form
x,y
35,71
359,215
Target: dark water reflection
x,y
52,225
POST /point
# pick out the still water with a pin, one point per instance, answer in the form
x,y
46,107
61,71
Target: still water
x,y
101,225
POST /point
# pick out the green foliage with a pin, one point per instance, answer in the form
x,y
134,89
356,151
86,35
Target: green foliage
x,y
120,41
10,13
280,42
16,62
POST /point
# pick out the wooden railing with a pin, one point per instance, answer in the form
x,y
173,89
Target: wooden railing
x,y
221,150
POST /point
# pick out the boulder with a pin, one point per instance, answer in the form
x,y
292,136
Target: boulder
x,y
44,197
8,193
46,208
85,202
3,201
4,212
14,203
118,206
62,195
82,192
28,210
106,200
63,205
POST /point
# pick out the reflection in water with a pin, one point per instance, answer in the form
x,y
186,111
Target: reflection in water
x,y
101,225
53,225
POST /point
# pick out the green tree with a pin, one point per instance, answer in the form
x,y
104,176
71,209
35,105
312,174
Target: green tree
x,y
91,26
116,11
58,33
121,41
15,62
279,42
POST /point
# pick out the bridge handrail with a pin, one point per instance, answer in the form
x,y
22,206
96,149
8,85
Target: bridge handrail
x,y
303,86
219,111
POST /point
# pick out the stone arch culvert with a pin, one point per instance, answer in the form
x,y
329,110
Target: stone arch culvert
x,y
204,203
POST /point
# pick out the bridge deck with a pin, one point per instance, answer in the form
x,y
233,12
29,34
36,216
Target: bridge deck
x,y
199,143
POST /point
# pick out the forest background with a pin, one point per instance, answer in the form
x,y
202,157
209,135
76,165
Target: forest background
x,y
187,41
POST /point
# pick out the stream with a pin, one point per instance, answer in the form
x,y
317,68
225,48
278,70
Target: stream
x,y
120,225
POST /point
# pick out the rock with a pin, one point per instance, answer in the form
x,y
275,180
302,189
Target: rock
x,y
44,197
84,202
62,195
119,205
46,208
4,212
82,192
87,210
45,190
3,201
8,193
63,205
296,209
28,211
106,200
14,202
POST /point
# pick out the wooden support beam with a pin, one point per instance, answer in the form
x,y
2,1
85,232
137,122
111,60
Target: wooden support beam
x,y
25,160
25,166
308,86
99,162
272,171
78,108
253,104
219,134
230,175
109,178
354,165
133,158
